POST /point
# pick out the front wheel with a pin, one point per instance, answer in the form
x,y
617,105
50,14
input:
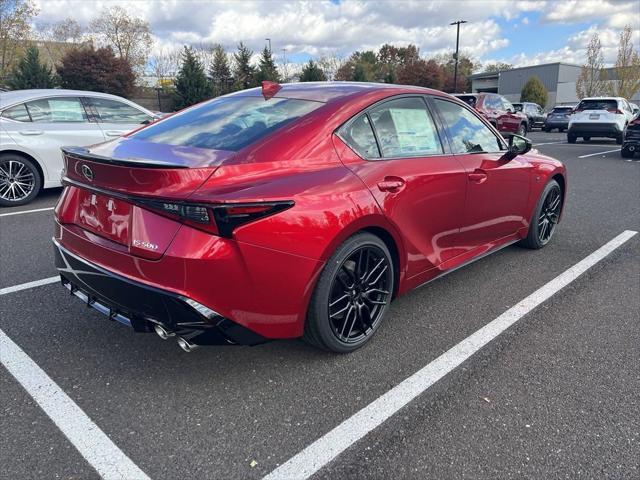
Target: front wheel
x,y
626,153
352,295
20,180
522,130
545,217
571,138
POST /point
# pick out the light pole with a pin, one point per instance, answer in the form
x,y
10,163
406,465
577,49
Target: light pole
x,y
269,40
455,71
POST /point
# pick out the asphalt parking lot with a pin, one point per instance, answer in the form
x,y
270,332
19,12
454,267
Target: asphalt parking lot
x,y
554,396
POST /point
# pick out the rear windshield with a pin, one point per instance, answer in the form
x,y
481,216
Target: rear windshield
x,y
598,105
561,110
468,99
227,123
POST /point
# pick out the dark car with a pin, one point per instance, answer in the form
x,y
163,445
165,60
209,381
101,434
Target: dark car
x,y
533,111
631,142
558,118
296,210
498,110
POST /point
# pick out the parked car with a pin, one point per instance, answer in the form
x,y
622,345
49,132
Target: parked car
x,y
631,142
558,118
634,108
34,124
294,210
498,110
599,117
533,111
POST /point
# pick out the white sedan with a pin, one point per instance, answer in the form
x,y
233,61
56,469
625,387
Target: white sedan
x,y
34,124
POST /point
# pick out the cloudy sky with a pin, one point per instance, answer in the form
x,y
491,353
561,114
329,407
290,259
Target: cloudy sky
x,y
518,32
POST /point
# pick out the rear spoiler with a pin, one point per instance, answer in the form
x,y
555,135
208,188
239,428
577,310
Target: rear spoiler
x,y
84,154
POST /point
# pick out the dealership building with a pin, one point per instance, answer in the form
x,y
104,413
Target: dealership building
x,y
558,78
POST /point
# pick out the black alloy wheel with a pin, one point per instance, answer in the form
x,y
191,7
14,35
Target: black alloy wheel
x,y
352,295
546,217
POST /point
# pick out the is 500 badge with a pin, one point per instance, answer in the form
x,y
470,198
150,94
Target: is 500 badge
x,y
143,244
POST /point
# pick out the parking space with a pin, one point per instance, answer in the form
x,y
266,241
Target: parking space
x,y
553,396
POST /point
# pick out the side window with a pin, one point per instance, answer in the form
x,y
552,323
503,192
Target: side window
x,y
359,135
112,111
18,113
506,105
467,132
57,110
492,103
405,128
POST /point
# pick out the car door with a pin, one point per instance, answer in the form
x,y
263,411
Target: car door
x,y
116,117
56,122
497,189
396,149
510,118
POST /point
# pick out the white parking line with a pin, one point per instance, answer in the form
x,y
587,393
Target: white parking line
x,y
26,211
24,286
332,444
548,143
94,445
599,153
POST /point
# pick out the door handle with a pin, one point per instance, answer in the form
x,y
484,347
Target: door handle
x,y
478,176
114,133
391,184
31,132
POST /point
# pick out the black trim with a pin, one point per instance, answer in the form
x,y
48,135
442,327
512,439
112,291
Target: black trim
x,y
142,306
82,153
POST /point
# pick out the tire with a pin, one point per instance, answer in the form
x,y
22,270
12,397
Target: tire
x,y
547,129
626,153
586,139
338,290
522,130
549,207
571,138
20,180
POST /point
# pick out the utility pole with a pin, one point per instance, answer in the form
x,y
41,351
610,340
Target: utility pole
x,y
455,56
269,40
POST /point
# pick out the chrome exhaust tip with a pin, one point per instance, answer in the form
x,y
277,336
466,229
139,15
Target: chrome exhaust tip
x,y
186,345
162,332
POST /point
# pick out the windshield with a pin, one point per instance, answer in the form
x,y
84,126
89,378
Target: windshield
x,y
562,110
468,99
227,123
598,105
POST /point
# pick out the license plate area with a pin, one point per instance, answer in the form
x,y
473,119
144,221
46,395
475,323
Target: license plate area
x,y
105,216
594,116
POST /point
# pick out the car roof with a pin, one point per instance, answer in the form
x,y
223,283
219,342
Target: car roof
x,y
18,96
602,98
330,91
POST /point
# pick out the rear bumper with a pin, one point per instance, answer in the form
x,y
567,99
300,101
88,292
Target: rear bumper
x,y
141,306
595,129
556,123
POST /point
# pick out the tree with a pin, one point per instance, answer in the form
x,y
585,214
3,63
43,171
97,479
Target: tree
x,y
98,70
360,67
267,69
129,37
191,85
220,72
627,68
244,73
30,72
496,67
421,72
591,81
534,91
165,65
391,58
466,66
329,64
15,28
311,72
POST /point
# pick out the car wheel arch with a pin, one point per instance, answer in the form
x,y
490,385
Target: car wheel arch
x,y
29,157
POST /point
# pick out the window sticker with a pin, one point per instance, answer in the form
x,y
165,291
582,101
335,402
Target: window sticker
x,y
415,131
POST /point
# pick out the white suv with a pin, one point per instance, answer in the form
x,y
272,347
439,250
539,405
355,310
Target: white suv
x,y
34,124
599,117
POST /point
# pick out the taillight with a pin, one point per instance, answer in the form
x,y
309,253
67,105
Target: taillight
x,y
615,110
218,219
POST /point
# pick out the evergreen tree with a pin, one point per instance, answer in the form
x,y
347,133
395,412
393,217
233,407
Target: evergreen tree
x,y
191,84
220,72
30,73
534,91
267,69
311,72
359,74
244,73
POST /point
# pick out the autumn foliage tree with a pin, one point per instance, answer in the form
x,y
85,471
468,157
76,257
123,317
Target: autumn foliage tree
x,y
421,72
627,67
98,70
591,81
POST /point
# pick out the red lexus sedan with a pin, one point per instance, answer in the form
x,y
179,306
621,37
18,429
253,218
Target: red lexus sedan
x,y
296,210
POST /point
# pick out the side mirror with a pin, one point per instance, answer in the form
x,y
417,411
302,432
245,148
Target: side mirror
x,y
518,145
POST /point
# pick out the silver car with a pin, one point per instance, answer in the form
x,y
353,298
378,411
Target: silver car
x,y
34,124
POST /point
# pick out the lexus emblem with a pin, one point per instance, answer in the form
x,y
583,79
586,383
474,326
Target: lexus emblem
x,y
87,172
